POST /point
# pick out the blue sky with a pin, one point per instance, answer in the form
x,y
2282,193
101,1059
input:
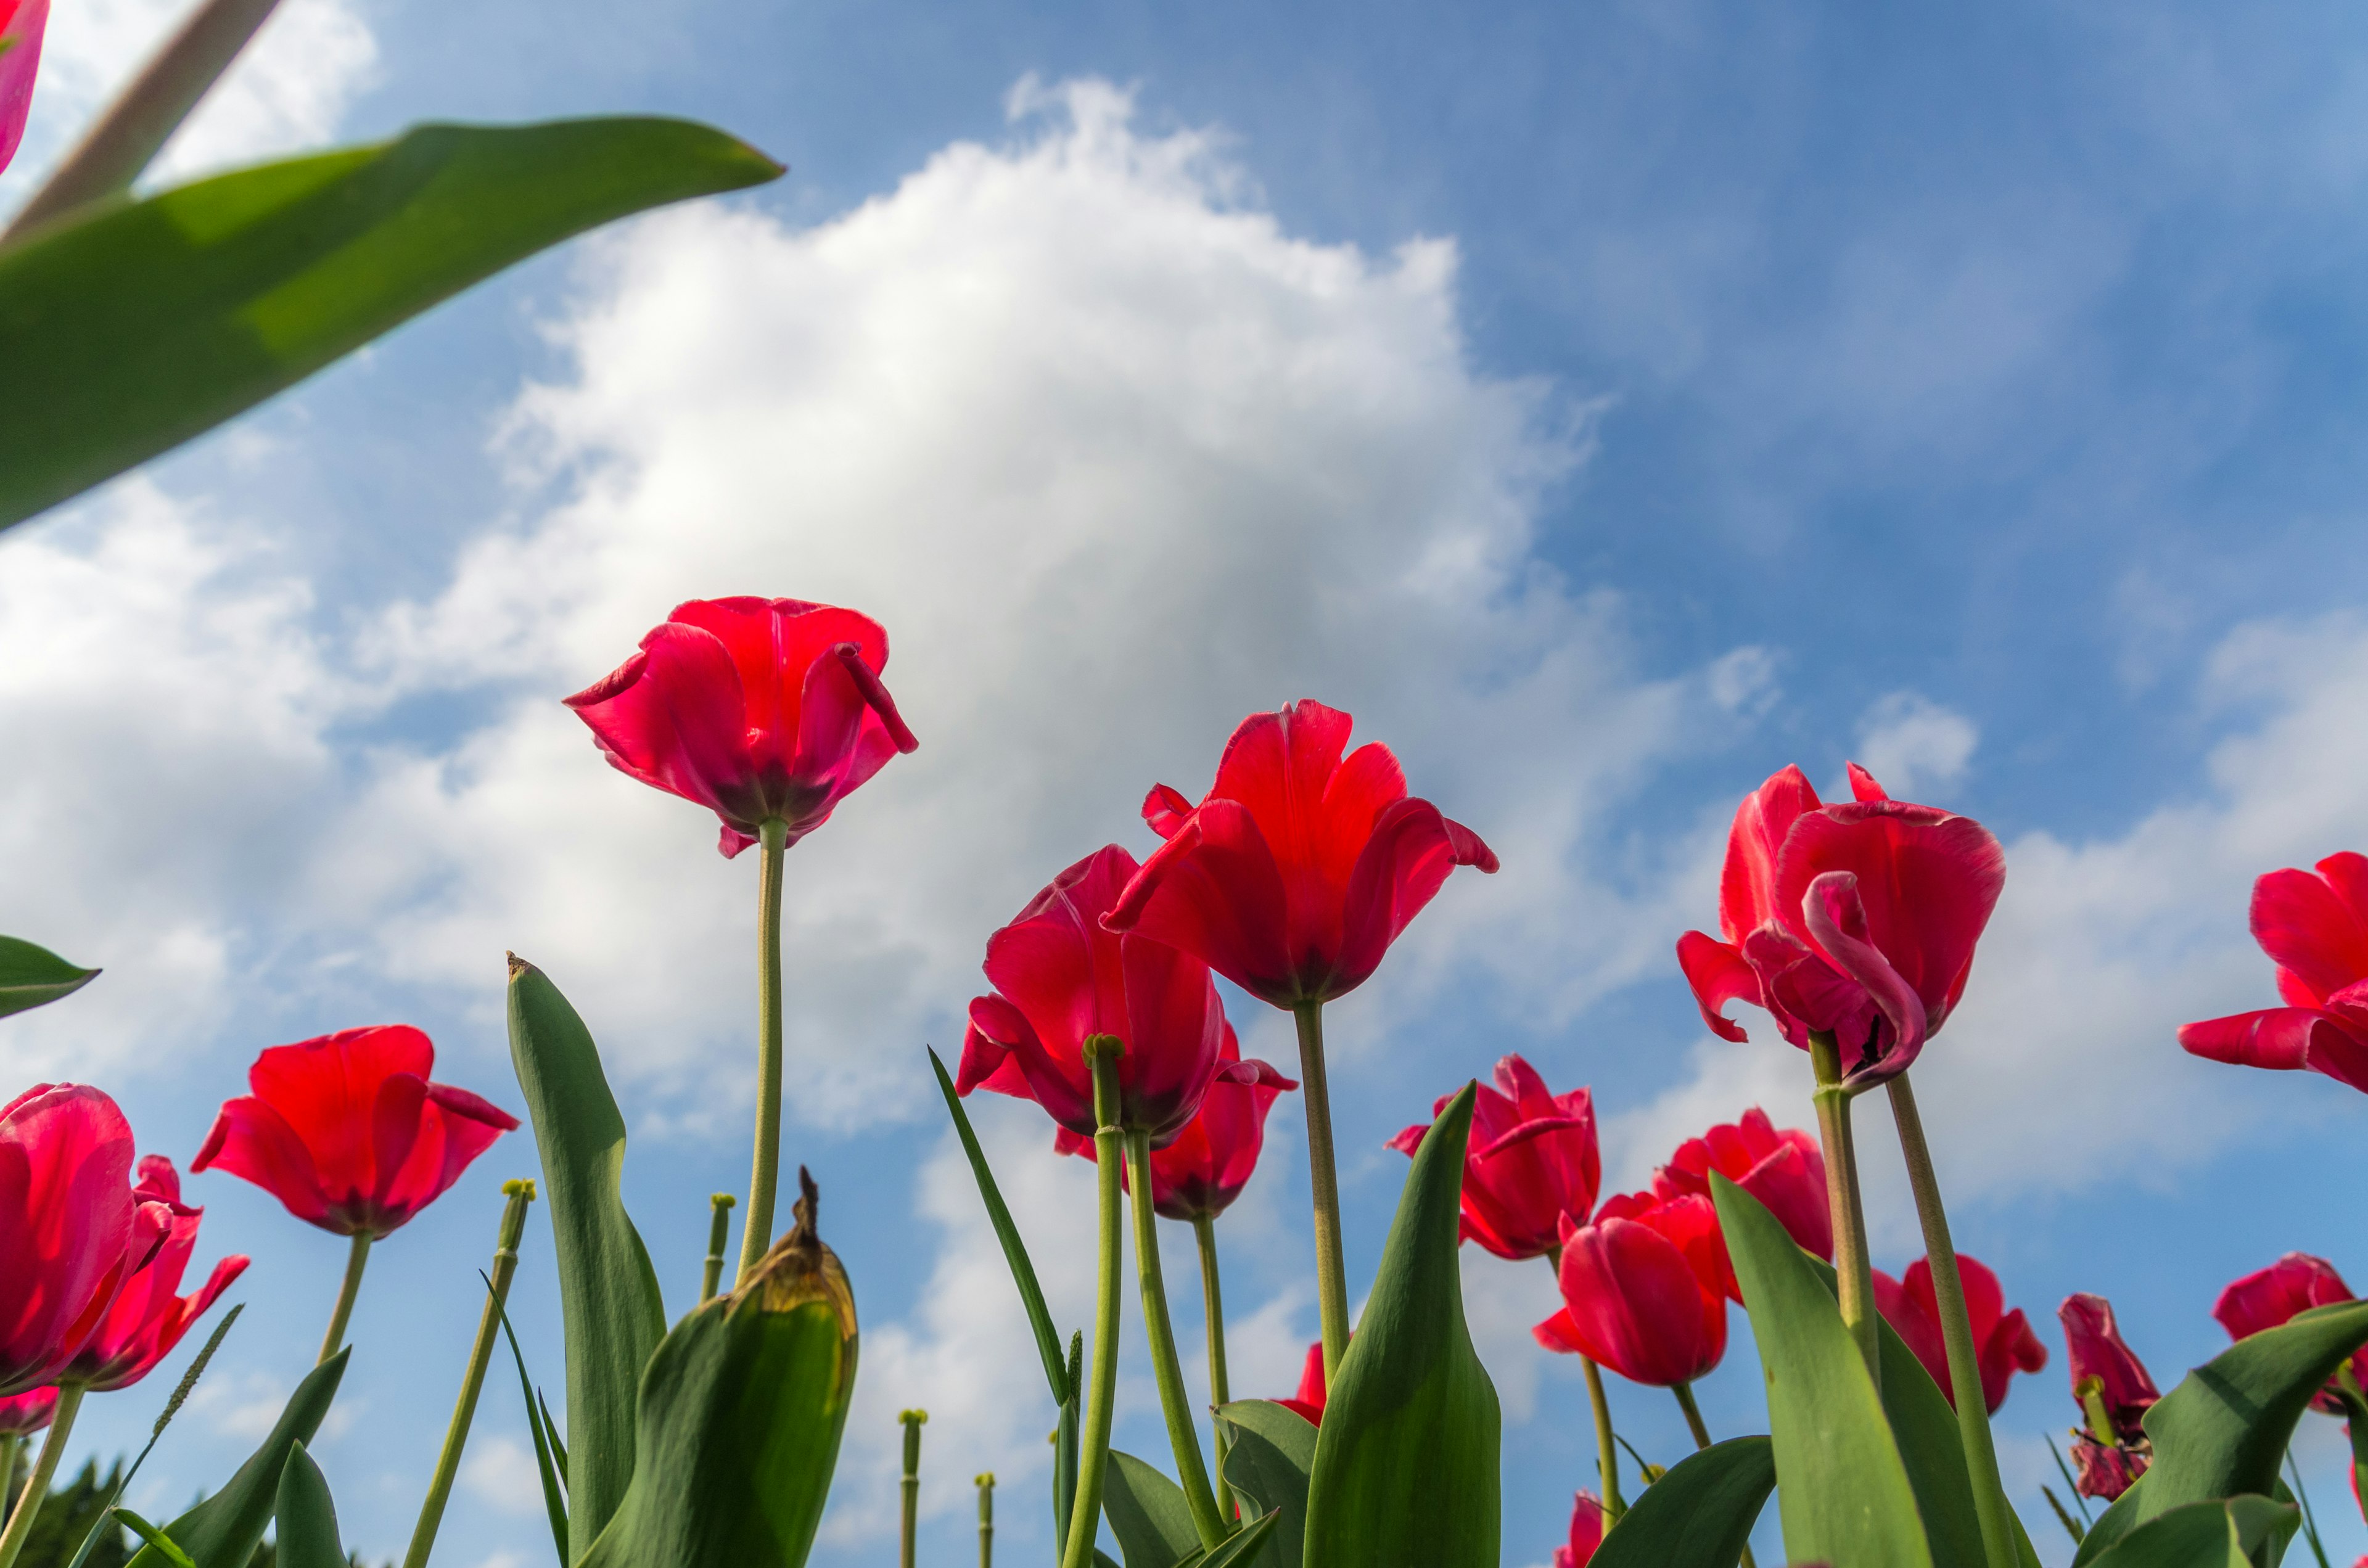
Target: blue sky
x,y
1608,405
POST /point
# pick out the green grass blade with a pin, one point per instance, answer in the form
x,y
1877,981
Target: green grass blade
x,y
1015,1250
544,1434
164,1418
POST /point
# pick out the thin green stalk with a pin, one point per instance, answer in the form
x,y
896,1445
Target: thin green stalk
x,y
473,1382
352,1287
986,1521
2309,1521
2071,1485
1331,1267
1086,1511
1853,1269
37,1485
908,1539
1700,1430
9,1443
719,1226
764,1174
1606,1447
1212,1315
1956,1335
1183,1436
1065,1448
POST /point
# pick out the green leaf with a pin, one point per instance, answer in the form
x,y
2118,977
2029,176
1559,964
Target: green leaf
x,y
1846,1499
609,1298
1405,1471
1698,1516
2248,1531
1271,1449
165,1545
30,976
221,1531
131,326
308,1519
541,1426
1147,1512
1015,1250
1238,1549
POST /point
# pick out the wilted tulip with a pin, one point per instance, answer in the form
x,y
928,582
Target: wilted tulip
x,y
22,25
1783,1170
71,1231
1644,1289
755,709
2268,1297
2003,1341
1586,1527
1857,919
1199,1175
1299,867
147,1319
2314,925
2106,1371
1531,1164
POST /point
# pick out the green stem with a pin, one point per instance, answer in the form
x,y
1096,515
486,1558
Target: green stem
x,y
1183,1436
1331,1268
764,1174
1853,1270
719,1226
986,1521
1606,1447
10,1442
352,1287
1212,1314
1065,1448
473,1382
1956,1334
37,1485
908,1539
1701,1429
1086,1511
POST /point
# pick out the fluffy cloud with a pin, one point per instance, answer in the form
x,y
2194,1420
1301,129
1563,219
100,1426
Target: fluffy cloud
x,y
1916,746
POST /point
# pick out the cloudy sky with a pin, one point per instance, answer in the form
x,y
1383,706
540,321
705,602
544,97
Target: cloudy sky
x,y
1607,405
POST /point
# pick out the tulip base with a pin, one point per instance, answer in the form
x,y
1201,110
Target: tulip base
x,y
45,1468
1331,1267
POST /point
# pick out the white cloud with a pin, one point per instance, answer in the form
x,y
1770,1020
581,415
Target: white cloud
x,y
1916,746
501,1469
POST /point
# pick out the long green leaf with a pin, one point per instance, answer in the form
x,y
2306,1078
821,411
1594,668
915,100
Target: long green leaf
x,y
608,1298
308,1519
30,976
127,327
1845,1497
221,1531
1147,1512
1240,1549
2234,1532
169,1549
1015,1250
1405,1472
1270,1451
1698,1516
164,1418
539,1425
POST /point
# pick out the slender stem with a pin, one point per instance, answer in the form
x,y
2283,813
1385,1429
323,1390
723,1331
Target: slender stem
x,y
1853,1270
1606,1447
1685,1392
1212,1315
1331,1269
10,1442
352,1287
472,1382
37,1485
2309,1523
908,1539
764,1174
1183,1436
986,1521
1956,1334
1065,1448
719,1225
1086,1511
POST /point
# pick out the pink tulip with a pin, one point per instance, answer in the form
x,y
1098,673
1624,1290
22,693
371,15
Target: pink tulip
x,y
2269,1297
2003,1342
147,1319
1645,1291
1784,1170
1586,1527
2314,925
71,1231
22,23
1532,1162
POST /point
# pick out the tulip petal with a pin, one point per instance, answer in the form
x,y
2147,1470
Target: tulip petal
x,y
1213,889
1399,870
20,61
251,1140
2284,1039
675,717
1165,809
2311,930
1637,1304
1836,921
1718,975
1746,886
1863,787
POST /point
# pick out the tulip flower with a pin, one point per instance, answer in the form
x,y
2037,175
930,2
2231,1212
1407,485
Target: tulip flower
x,y
347,1132
2268,1297
2113,1390
147,1319
1783,1170
755,709
21,26
1644,1290
2313,924
1586,1527
1532,1161
70,1229
22,1415
2004,1342
1196,1177
1308,1402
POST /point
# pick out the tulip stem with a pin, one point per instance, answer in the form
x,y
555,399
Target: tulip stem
x,y
351,1287
1853,1269
1183,1436
909,1533
10,1443
719,1225
1956,1334
1085,1512
1606,1443
1701,1429
473,1382
37,1485
1213,1313
986,1519
765,1173
1331,1269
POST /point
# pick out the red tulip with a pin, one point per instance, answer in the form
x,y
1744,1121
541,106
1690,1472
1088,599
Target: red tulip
x,y
1859,919
1309,1400
347,1131
1532,1162
70,1229
1784,1170
1060,977
1299,867
2314,925
2268,1297
1644,1289
22,25
22,1415
1199,1175
147,1319
1586,1527
2106,1468
2003,1342
753,708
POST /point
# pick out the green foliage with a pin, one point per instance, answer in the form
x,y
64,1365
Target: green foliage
x,y
308,1518
222,1531
2233,1532
153,320
1698,1516
1405,1471
1015,1250
1147,1512
609,1303
69,1514
1238,1549
1271,1450
546,1435
1845,1499
30,976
